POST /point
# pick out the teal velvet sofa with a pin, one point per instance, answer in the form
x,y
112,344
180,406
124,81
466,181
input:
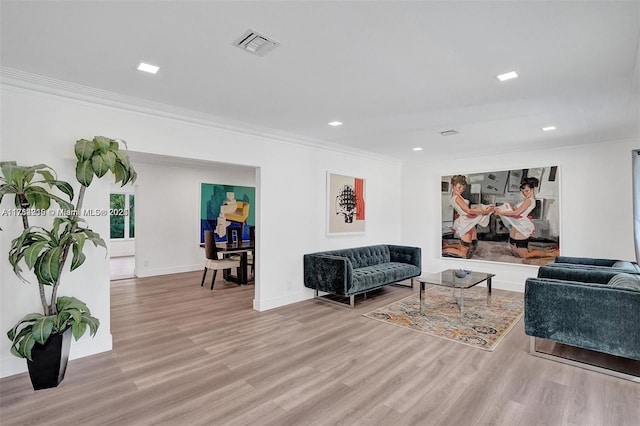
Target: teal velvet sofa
x,y
595,263
591,308
353,271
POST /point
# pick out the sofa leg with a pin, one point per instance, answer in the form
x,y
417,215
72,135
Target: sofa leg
x,y
533,351
352,300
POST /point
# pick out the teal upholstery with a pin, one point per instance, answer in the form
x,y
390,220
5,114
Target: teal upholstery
x,y
585,261
591,263
592,308
628,281
357,270
627,266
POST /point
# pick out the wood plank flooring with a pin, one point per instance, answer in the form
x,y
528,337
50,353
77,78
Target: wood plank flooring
x,y
185,355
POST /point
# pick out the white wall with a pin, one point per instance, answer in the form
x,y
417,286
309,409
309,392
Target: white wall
x,y
40,127
596,216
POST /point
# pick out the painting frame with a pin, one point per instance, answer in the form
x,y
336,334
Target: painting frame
x,y
493,239
345,204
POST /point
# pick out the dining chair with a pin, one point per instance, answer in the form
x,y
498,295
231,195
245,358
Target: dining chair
x,y
251,256
212,260
234,235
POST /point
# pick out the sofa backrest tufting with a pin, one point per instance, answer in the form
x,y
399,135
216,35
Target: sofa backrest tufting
x,y
361,257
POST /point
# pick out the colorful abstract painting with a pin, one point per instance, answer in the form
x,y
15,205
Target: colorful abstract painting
x,y
226,206
345,204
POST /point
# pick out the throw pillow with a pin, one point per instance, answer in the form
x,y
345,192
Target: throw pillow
x,y
627,266
626,281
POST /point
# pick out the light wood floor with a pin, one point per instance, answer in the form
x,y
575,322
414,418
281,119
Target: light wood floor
x,y
185,355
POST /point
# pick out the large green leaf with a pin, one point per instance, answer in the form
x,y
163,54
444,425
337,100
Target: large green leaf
x,y
29,318
84,172
68,302
47,267
23,343
46,175
13,173
109,158
42,328
93,323
121,173
38,197
100,165
78,257
134,174
102,143
84,149
31,254
27,346
78,329
63,186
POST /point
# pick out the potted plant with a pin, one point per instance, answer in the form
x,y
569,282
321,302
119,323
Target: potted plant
x,y
44,338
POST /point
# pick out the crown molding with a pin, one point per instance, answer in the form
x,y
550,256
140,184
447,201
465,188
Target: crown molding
x,y
38,83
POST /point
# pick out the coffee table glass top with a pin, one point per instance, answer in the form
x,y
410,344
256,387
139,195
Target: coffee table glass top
x,y
448,279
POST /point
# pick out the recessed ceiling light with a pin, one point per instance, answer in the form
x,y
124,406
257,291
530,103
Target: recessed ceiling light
x,y
507,76
548,128
152,69
335,123
449,133
417,148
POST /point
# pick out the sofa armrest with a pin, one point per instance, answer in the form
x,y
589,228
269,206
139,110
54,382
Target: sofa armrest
x,y
328,273
583,275
585,261
587,315
406,254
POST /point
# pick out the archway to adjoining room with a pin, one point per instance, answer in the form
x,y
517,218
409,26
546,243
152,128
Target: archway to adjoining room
x,y
169,214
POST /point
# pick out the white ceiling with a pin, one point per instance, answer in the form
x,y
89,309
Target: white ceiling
x,y
396,73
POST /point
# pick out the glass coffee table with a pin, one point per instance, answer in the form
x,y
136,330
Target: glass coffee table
x,y
449,279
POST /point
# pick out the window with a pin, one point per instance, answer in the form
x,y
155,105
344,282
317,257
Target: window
x,y
122,218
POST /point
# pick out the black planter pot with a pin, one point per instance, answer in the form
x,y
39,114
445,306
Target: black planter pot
x,y
50,361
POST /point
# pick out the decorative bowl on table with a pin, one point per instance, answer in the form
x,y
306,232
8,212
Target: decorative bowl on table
x,y
460,273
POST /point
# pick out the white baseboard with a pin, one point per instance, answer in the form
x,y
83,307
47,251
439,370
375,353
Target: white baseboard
x,y
152,272
276,302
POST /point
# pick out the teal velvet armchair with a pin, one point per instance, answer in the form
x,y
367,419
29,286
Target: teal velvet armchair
x,y
590,308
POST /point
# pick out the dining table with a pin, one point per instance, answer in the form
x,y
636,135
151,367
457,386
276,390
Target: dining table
x,y
243,248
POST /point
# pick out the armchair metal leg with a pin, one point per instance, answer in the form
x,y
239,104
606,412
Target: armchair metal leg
x,y
533,351
204,275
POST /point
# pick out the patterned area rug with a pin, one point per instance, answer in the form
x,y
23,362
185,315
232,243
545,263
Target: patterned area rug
x,y
482,326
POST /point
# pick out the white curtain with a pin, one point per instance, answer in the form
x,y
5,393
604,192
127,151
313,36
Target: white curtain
x,y
636,199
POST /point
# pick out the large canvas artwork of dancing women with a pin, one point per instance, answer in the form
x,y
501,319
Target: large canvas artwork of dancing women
x,y
503,216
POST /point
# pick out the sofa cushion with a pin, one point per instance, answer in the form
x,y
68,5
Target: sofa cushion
x,y
627,266
626,281
370,277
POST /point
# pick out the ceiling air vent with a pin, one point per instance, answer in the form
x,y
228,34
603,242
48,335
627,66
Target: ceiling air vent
x,y
256,43
449,133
